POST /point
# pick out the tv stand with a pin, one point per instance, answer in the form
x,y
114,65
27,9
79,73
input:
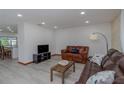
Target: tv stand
x,y
37,58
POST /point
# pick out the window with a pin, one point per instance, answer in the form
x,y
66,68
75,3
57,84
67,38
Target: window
x,y
8,41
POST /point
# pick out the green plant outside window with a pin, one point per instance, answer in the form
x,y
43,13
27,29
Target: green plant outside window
x,y
4,41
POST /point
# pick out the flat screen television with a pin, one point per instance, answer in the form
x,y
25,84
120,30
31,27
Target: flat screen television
x,y
43,48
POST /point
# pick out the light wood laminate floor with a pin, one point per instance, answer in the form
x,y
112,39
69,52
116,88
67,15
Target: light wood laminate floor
x,y
12,72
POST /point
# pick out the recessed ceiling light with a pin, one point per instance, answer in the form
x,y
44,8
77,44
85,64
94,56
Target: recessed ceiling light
x,y
82,13
43,23
87,22
55,27
19,15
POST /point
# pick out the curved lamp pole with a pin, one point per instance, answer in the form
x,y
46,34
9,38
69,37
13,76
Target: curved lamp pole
x,y
106,41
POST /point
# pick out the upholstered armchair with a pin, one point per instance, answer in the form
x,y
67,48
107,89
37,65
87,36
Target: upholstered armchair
x,y
75,53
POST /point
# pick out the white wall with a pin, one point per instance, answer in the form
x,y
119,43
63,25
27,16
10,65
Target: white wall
x,y
116,30
15,53
21,42
80,36
122,29
54,42
31,36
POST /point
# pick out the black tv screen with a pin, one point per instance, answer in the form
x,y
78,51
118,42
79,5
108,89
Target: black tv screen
x,y
43,48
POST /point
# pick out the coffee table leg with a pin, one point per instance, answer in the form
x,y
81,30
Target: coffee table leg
x,y
51,75
62,78
73,67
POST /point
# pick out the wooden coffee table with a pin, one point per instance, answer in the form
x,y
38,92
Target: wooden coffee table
x,y
61,69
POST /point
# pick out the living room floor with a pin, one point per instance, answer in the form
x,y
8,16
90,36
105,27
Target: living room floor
x,y
12,72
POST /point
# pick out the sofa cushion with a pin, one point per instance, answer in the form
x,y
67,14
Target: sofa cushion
x,y
68,49
81,50
119,80
67,56
114,67
112,57
105,58
121,64
116,56
110,67
77,57
103,77
107,63
111,51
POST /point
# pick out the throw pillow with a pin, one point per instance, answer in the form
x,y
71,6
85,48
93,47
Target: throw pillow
x,y
75,50
103,77
97,58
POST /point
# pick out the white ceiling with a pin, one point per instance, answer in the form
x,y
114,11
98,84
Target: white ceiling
x,y
63,18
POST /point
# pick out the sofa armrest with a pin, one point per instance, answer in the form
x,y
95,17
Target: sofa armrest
x,y
63,51
89,69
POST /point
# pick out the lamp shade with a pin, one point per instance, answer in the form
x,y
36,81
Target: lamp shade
x,y
93,37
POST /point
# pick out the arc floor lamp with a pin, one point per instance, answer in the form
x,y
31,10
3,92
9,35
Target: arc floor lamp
x,y
94,36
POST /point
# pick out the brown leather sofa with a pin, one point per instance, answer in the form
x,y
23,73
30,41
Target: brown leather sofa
x,y
81,56
113,60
